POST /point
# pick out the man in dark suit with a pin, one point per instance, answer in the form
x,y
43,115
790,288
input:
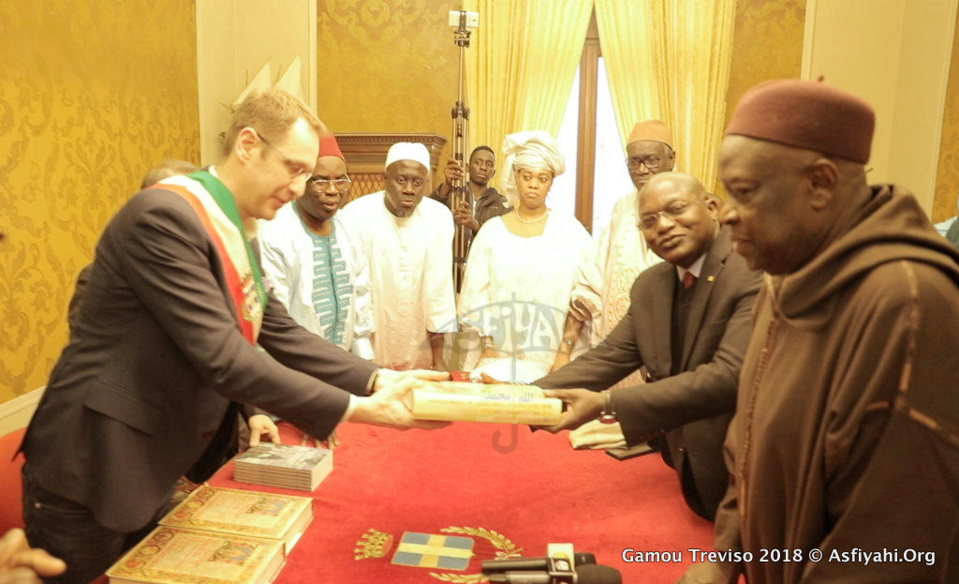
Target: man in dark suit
x,y
688,324
164,349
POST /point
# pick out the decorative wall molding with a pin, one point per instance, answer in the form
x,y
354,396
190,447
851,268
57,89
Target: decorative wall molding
x,y
16,413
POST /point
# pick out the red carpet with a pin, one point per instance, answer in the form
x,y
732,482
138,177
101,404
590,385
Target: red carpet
x,y
11,490
508,495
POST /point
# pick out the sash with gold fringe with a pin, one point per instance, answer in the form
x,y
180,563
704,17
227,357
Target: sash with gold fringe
x,y
217,211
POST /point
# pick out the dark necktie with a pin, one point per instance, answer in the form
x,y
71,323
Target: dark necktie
x,y
688,280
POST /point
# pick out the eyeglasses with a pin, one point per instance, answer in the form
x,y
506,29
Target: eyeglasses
x,y
320,184
673,211
295,169
651,162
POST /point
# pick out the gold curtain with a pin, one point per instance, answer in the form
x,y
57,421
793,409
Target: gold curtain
x,y
625,38
687,51
520,65
555,32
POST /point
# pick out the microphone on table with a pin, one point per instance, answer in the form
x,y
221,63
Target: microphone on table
x,y
518,564
560,566
585,574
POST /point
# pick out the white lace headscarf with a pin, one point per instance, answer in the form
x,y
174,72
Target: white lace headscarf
x,y
532,150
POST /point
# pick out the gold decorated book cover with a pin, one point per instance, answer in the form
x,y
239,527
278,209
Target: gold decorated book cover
x,y
246,513
502,403
182,556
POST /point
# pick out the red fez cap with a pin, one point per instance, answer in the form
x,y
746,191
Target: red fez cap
x,y
806,114
329,147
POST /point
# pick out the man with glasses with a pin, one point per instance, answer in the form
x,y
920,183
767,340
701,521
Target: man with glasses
x,y
844,449
310,261
164,349
619,253
688,324
407,241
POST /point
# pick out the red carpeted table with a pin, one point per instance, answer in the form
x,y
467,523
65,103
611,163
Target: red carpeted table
x,y
509,489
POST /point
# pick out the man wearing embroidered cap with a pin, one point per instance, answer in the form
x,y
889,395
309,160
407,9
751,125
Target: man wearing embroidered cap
x,y
164,349
846,433
408,243
619,253
310,261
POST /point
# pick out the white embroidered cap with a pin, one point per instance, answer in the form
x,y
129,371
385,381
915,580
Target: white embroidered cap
x,y
408,151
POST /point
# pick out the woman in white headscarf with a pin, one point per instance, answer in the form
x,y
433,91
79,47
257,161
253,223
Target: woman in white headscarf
x,y
521,267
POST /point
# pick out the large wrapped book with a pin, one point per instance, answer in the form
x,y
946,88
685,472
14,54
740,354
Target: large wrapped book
x,y
281,518
283,465
502,403
183,556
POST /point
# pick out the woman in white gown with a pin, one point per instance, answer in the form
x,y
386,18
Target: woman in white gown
x,y
521,267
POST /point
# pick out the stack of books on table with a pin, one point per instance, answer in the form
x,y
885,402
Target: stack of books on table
x,y
227,536
283,465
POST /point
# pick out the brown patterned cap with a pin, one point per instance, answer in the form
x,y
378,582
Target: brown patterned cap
x,y
655,130
806,114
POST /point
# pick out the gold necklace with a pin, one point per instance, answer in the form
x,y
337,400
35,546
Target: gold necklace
x,y
530,221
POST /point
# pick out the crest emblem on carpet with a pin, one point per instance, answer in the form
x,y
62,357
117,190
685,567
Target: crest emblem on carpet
x,y
453,550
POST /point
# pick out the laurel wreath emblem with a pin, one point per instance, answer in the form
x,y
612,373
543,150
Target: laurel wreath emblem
x,y
504,549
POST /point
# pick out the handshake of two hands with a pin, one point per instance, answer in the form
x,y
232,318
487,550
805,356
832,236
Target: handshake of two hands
x,y
389,405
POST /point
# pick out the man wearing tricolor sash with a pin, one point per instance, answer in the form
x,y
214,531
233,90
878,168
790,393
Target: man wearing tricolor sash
x,y
163,351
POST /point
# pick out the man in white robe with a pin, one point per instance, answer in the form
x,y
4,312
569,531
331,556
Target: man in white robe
x,y
407,241
310,261
619,253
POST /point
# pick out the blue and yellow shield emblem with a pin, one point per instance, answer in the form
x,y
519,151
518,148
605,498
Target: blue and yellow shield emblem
x,y
429,550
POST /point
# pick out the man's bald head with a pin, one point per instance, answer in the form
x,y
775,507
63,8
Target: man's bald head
x,y
676,181
677,217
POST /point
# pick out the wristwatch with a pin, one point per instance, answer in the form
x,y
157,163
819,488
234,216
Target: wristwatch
x,y
608,414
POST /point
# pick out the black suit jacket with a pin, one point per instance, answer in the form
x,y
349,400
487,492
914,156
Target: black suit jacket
x,y
143,390
490,204
692,408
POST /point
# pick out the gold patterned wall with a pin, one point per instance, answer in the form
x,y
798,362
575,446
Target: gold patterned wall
x,y
386,66
92,94
767,44
947,177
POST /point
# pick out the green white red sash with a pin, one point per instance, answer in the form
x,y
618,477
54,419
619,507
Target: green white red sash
x,y
216,209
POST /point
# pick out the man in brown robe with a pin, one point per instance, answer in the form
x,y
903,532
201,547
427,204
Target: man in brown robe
x,y
844,450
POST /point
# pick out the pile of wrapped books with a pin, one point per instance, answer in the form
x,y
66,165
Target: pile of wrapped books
x,y
283,465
